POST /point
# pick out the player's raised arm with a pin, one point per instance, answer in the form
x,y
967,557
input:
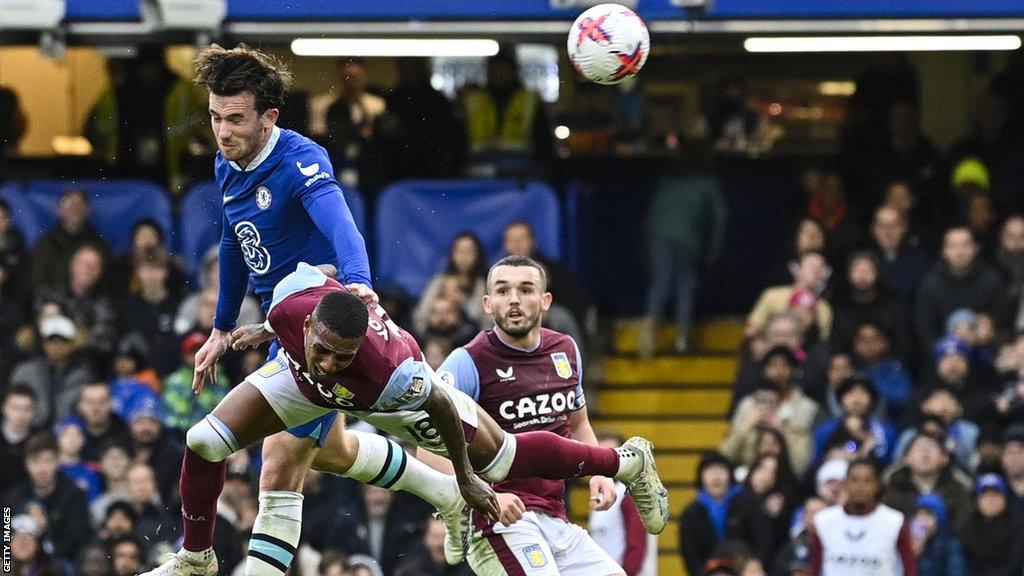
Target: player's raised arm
x,y
446,420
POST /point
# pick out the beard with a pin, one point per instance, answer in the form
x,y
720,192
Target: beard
x,y
528,323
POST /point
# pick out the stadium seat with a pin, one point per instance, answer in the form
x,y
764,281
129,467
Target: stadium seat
x,y
116,207
416,219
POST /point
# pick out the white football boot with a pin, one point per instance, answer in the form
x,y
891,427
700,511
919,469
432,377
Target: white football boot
x,y
646,488
187,563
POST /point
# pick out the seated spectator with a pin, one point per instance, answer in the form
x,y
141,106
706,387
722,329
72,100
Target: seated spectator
x,y
975,386
464,279
776,489
809,237
152,447
867,300
151,309
120,520
85,300
446,320
832,548
16,427
1012,461
900,196
934,540
134,380
722,512
924,469
93,561
902,262
795,556
427,559
830,481
1009,257
27,552
155,523
840,368
519,240
115,461
991,533
785,329
780,405
182,408
810,276
63,511
127,555
198,308
869,434
95,410
52,253
147,236
960,280
975,330
872,354
70,441
962,435
56,374
767,442
1009,403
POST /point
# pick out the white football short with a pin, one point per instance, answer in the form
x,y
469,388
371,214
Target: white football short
x,y
539,545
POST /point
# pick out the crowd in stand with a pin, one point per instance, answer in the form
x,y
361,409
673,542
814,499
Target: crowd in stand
x,y
892,333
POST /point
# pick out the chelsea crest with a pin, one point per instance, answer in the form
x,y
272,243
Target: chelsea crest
x,y
263,198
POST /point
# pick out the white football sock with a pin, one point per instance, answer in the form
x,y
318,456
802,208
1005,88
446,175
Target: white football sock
x,y
275,534
382,462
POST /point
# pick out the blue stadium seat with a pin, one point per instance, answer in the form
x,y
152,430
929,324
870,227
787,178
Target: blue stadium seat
x,y
116,207
418,219
200,221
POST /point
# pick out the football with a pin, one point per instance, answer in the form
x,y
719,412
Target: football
x,y
608,43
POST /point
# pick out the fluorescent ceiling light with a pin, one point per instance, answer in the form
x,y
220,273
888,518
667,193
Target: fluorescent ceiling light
x,y
394,47
836,88
880,43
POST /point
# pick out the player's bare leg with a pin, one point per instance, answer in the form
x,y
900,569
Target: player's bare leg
x,y
498,455
241,418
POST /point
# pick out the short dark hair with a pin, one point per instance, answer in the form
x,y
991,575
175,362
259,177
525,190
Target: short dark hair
x,y
21,389
519,261
867,462
343,314
123,507
243,69
42,442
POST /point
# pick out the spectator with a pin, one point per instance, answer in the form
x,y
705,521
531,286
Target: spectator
x,y
1013,465
56,374
834,551
942,404
618,530
983,220
16,427
969,180
569,295
769,442
70,441
506,124
909,155
197,309
961,280
991,533
150,312
840,368
27,552
134,381
859,424
464,280
114,464
780,405
13,254
152,447
416,109
64,513
182,408
830,481
686,226
1010,257
938,550
93,561
809,278
809,237
352,122
446,320
872,354
865,300
120,520
902,263
427,559
147,237
926,468
795,556
974,386
96,412
127,554
787,330
154,522
52,253
827,204
920,223
721,512
84,299
775,487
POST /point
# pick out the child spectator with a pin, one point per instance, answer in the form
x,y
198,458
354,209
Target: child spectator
x,y
70,442
182,409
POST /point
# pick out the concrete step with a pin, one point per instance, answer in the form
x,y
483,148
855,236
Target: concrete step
x,y
724,335
680,370
666,402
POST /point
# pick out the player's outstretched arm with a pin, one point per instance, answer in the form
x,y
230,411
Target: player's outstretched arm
x,y
446,420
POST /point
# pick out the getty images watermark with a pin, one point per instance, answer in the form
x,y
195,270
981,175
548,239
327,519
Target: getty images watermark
x,y
7,539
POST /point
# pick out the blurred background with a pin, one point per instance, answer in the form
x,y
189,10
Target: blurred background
x,y
856,202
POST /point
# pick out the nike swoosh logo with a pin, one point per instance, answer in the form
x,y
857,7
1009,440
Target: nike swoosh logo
x,y
228,199
308,170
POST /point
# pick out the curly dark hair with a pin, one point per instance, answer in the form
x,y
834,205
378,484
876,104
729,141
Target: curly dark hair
x,y
243,69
